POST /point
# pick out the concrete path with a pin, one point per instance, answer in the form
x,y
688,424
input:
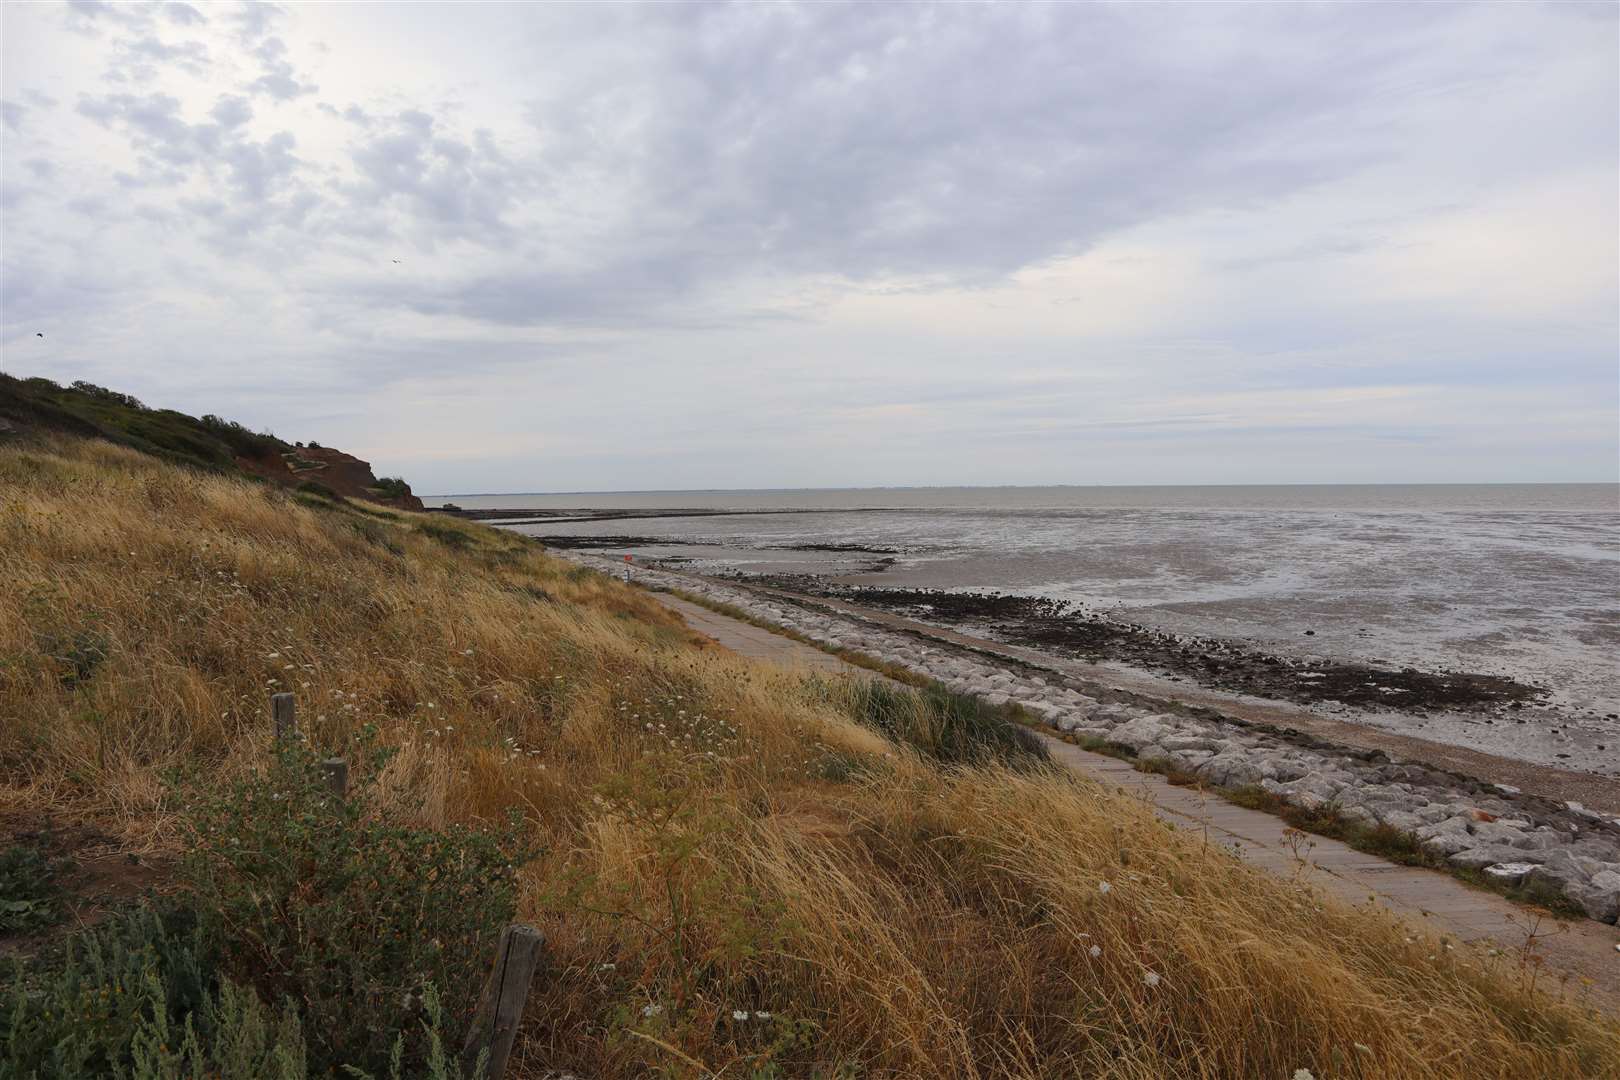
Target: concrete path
x,y
1581,949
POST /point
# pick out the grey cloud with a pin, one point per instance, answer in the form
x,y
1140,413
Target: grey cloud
x,y
436,177
960,145
257,172
231,111
11,114
191,56
280,79
184,14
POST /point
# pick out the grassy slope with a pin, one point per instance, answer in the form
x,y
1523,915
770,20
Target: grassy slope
x,y
86,409
719,836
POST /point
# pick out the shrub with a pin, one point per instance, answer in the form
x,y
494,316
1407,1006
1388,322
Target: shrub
x,y
352,916
136,998
101,393
28,889
392,487
946,726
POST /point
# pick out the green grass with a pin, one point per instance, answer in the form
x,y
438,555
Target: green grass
x,y
83,408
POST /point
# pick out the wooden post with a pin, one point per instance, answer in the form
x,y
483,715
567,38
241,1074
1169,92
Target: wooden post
x,y
500,1006
337,775
281,708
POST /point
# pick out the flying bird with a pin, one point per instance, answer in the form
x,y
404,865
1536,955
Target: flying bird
x,y
39,333
398,261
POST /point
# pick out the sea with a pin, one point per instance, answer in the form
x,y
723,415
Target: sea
x,y
1514,579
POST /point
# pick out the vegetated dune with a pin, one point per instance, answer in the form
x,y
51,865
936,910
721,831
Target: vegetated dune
x,y
741,873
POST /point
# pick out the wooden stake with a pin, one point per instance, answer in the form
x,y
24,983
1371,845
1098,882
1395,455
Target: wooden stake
x,y
337,775
500,1007
281,708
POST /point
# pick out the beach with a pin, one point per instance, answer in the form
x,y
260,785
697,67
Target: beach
x,y
1475,616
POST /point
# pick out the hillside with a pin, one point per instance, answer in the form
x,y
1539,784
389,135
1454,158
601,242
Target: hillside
x,y
739,871
206,442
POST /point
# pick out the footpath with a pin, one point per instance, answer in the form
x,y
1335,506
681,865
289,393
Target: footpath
x,y
1584,951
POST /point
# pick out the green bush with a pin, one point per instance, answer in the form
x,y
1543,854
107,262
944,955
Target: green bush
x,y
946,726
136,998
28,889
392,487
351,916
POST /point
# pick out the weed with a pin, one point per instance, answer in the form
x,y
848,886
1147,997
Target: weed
x,y
324,901
29,891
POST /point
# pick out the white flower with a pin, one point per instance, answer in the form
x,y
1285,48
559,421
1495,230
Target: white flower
x,y
1103,887
762,1015
651,1010
1095,951
1151,978
739,1014
1304,1074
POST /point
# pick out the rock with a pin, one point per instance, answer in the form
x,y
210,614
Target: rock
x,y
1601,898
1141,732
1540,840
1447,837
1508,873
1497,832
1358,814
1150,753
1433,813
996,699
1187,742
1401,819
1478,858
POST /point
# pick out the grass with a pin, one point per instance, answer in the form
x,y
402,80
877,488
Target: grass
x,y
87,409
742,871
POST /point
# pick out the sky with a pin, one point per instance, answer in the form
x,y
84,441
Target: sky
x,y
615,247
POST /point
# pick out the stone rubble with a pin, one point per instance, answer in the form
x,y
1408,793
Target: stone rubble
x,y
1493,828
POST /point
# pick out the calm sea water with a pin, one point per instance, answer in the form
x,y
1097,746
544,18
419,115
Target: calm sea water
x,y
1522,579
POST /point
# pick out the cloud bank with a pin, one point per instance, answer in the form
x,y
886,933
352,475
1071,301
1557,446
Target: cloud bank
x,y
569,247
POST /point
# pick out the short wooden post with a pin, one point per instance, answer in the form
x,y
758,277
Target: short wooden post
x,y
281,708
337,775
500,1006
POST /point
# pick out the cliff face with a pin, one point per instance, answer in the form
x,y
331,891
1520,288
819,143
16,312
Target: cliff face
x,y
206,442
341,473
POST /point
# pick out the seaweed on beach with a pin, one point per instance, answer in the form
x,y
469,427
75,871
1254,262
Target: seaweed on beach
x,y
1060,627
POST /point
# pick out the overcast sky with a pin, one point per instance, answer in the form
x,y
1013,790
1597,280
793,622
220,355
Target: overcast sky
x,y
528,248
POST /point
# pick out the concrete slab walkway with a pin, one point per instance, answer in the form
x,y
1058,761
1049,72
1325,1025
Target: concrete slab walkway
x,y
1583,950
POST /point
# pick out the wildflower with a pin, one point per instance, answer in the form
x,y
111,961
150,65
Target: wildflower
x,y
762,1015
1151,978
1104,887
739,1014
1095,951
1304,1074
651,1010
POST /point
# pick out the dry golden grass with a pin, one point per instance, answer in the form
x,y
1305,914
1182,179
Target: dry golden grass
x,y
720,837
